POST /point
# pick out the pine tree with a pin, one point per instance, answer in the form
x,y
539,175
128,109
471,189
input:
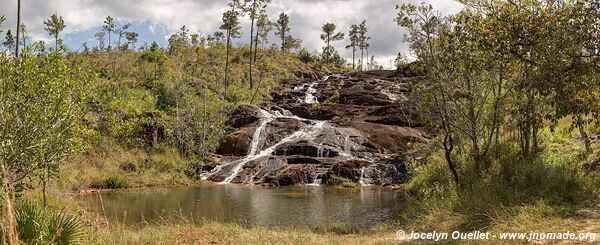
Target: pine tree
x,y
9,42
354,43
54,26
329,35
253,8
100,37
132,38
363,41
283,28
231,25
109,27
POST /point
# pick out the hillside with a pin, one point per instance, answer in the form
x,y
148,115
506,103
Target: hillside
x,y
155,114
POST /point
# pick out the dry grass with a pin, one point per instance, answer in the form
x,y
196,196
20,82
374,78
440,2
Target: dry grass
x,y
215,233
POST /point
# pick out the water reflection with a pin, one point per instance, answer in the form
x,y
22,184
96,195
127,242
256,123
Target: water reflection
x,y
306,206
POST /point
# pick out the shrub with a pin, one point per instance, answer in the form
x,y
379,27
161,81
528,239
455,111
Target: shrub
x,y
38,226
112,181
342,182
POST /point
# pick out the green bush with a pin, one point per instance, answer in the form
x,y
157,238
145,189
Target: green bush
x,y
502,190
36,225
342,182
112,181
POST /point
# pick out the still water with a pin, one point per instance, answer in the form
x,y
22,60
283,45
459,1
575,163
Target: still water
x,y
298,206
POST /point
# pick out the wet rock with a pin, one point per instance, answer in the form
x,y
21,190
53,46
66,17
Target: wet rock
x,y
304,148
364,126
281,128
243,116
237,142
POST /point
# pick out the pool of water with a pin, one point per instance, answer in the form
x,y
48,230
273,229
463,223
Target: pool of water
x,y
298,206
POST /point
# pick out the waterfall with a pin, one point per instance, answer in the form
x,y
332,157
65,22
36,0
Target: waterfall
x,y
361,180
309,132
310,97
306,133
259,134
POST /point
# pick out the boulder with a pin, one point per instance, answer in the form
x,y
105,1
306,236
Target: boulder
x,y
237,143
243,116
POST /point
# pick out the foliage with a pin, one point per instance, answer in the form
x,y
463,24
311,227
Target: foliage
x,y
493,71
44,226
54,26
112,181
282,27
330,35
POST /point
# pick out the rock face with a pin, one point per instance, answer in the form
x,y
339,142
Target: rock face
x,y
358,126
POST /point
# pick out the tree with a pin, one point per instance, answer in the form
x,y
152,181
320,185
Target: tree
x,y
329,35
232,26
292,43
154,55
264,27
400,61
422,22
54,26
109,27
39,117
363,41
132,38
354,36
253,8
2,19
100,37
24,36
218,37
195,39
282,27
9,42
121,31
179,40
18,27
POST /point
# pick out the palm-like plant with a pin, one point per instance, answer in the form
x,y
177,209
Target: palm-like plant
x,y
36,225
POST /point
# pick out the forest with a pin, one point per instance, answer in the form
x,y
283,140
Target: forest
x,y
499,128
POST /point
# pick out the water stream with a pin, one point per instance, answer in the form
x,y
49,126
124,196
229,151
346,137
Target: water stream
x,y
259,136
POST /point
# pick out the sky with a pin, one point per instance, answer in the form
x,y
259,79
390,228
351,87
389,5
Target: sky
x,y
156,20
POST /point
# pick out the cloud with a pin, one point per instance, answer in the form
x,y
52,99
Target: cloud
x,y
159,18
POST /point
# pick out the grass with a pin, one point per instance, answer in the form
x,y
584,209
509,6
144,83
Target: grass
x,y
552,193
112,166
343,183
216,233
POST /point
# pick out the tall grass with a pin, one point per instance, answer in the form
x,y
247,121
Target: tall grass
x,y
551,185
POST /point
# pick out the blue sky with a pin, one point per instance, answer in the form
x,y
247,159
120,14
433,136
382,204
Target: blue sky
x,y
156,20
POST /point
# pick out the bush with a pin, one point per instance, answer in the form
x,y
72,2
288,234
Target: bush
x,y
36,225
342,182
112,181
504,190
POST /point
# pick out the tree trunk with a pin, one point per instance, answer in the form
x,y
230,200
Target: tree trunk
x,y
256,43
585,138
448,148
353,55
225,82
9,229
251,39
18,27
